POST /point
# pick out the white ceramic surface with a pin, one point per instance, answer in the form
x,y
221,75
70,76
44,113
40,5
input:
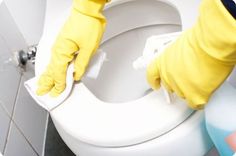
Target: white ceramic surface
x,y
95,120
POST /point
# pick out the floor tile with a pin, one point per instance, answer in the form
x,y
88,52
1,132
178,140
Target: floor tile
x,y
17,144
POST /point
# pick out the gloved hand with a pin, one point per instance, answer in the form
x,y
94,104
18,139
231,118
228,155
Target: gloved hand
x,y
81,33
198,62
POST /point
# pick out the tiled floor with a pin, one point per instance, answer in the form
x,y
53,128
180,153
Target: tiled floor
x,y
17,144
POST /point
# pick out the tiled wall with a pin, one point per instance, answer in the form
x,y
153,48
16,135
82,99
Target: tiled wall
x,y
29,17
22,121
23,131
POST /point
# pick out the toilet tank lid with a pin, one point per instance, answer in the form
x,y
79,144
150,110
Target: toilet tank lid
x,y
85,118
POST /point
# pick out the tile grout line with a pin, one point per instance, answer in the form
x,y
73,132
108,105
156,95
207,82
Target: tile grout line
x,y
9,128
10,115
45,134
8,133
5,110
25,138
13,122
13,112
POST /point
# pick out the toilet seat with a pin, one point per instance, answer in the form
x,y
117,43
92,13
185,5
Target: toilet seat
x,y
99,123
114,125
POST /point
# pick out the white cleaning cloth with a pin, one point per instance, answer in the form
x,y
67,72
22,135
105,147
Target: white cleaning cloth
x,y
48,102
50,34
43,58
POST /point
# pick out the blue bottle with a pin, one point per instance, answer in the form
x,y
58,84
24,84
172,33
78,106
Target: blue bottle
x,y
220,117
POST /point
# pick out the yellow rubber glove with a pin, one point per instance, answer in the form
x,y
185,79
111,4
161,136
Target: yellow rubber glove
x,y
81,34
200,60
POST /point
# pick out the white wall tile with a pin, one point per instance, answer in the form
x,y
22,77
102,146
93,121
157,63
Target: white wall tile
x,y
9,30
9,78
29,17
4,126
30,117
17,144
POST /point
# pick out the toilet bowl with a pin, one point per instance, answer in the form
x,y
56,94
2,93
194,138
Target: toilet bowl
x,y
117,114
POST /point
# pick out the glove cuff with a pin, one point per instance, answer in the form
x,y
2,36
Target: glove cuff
x,y
93,8
215,31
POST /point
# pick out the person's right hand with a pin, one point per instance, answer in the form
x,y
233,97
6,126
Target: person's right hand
x,y
201,59
81,33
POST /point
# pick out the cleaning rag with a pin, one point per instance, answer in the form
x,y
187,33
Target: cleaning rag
x,y
49,103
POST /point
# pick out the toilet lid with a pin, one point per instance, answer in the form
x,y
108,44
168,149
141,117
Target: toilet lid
x,y
90,120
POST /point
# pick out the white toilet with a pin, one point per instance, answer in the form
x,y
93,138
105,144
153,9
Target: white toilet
x,y
117,114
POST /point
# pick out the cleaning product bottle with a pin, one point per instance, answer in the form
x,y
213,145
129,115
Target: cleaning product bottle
x,y
220,118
